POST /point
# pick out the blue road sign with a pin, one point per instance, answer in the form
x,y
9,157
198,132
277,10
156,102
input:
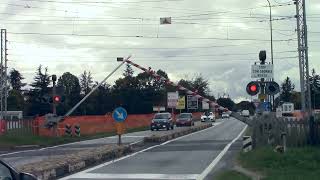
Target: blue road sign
x,y
119,114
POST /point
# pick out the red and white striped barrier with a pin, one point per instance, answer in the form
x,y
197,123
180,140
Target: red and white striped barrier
x,y
167,81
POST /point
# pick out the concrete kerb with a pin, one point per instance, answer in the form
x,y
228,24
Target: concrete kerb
x,y
68,164
173,135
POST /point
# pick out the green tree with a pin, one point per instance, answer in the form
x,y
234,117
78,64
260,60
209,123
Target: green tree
x,y
315,89
86,82
287,87
68,86
128,72
39,95
246,105
227,103
15,100
16,80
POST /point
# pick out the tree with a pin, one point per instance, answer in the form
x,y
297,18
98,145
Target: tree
x,y
68,86
227,103
15,100
287,87
315,89
39,95
246,105
128,72
86,82
15,80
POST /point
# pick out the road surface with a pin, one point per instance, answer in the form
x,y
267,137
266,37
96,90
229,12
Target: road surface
x,y
36,155
194,156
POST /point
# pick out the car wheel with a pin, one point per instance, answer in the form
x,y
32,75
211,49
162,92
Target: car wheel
x,y
152,129
172,127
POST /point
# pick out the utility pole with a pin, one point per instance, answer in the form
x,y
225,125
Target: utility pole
x,y
302,33
303,56
3,74
54,105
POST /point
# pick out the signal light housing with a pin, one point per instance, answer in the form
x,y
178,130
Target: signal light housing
x,y
253,88
272,88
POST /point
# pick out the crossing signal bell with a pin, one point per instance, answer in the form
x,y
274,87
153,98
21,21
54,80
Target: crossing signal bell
x,y
253,88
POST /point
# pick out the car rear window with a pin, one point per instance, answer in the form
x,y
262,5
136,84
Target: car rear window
x,y
185,116
162,116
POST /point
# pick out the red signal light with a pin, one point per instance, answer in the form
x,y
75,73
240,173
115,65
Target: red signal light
x,y
253,88
56,99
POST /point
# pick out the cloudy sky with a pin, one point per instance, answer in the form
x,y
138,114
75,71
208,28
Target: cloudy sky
x,y
219,39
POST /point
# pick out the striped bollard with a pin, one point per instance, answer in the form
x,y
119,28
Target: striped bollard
x,y
247,143
77,130
68,130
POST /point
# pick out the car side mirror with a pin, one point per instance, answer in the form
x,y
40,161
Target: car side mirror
x,y
27,176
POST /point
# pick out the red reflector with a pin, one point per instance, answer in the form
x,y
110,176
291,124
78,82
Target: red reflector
x,y
56,98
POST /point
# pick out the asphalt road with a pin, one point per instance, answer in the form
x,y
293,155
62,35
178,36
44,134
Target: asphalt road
x,y
194,156
36,155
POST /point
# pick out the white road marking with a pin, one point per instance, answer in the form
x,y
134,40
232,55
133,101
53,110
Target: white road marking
x,y
83,173
137,176
124,136
219,157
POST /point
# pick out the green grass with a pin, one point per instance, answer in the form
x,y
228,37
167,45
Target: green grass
x,y
295,164
12,138
231,175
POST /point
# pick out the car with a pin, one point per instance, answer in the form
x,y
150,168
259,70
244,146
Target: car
x,y
9,173
162,121
225,115
207,116
185,119
245,113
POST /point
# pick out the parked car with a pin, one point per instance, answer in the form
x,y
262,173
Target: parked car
x,y
9,173
185,119
225,115
208,116
245,113
162,121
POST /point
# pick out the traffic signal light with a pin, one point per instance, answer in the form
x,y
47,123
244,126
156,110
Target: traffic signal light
x,y
272,88
56,99
253,88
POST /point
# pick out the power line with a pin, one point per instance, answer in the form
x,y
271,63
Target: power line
x,y
157,57
162,60
145,37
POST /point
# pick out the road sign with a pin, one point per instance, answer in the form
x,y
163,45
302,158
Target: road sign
x,y
159,108
165,20
172,99
192,102
279,112
119,114
205,105
262,96
181,102
262,71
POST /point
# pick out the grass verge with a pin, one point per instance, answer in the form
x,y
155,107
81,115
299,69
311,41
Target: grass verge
x,y
12,138
295,164
231,175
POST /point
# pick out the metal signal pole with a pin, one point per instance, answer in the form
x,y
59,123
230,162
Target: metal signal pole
x,y
3,74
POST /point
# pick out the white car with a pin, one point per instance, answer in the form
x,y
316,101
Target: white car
x,y
225,115
207,116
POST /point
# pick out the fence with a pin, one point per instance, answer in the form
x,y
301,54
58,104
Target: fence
x,y
15,126
267,129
